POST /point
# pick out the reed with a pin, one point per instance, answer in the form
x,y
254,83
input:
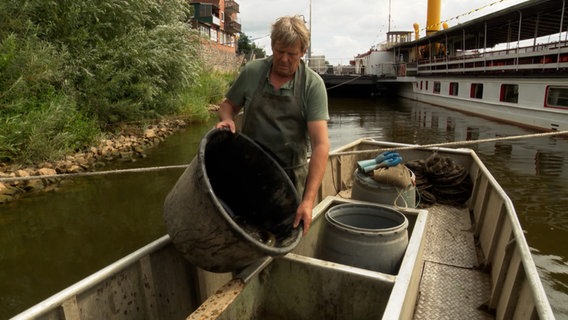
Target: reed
x,y
208,90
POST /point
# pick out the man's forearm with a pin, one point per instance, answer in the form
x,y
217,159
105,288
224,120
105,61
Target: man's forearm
x,y
226,111
316,170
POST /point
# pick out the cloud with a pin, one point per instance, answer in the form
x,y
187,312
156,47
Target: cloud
x,y
343,29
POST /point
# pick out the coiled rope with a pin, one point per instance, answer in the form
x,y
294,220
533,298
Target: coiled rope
x,y
183,166
439,179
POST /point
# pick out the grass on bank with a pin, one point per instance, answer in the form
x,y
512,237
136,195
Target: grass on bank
x,y
210,89
55,128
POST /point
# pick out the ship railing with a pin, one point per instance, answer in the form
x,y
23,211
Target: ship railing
x,y
550,56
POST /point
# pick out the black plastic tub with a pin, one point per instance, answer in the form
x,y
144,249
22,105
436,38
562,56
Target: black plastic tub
x,y
233,205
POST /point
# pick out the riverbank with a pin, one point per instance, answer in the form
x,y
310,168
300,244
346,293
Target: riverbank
x,y
130,144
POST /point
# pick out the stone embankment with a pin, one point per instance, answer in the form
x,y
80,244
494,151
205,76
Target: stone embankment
x,y
123,147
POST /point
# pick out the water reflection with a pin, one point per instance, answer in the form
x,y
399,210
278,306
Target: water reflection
x,y
503,150
548,163
555,279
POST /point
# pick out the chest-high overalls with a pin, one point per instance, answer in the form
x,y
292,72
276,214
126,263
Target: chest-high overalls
x,y
278,124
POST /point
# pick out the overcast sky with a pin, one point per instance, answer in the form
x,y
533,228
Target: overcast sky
x,y
343,29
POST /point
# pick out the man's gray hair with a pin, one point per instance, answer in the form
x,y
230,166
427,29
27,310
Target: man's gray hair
x,y
290,29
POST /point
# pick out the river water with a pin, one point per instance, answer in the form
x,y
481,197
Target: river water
x,y
49,241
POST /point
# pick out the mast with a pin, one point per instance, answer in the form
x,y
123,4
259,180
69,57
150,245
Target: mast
x,y
310,45
389,16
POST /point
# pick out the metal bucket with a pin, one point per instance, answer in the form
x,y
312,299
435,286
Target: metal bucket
x,y
232,206
365,188
368,236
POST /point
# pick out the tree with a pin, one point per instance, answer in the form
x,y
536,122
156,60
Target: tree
x,y
249,48
244,45
258,52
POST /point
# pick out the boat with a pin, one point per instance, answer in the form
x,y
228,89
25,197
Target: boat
x,y
510,65
459,261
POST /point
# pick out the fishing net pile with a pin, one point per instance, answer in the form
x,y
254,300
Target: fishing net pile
x,y
439,179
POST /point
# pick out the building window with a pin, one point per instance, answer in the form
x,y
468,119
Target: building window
x,y
557,97
437,86
509,93
204,31
454,86
476,91
205,10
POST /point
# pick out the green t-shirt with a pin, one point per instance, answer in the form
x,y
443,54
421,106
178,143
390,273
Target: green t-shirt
x,y
314,95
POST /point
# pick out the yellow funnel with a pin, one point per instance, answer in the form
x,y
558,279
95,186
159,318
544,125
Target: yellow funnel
x,y
433,20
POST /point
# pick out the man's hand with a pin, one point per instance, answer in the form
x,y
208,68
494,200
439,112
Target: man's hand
x,y
227,111
229,124
304,214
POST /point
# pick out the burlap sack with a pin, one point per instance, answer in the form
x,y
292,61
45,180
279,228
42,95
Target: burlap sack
x,y
398,176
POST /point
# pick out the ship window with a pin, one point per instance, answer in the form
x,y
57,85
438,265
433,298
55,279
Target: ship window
x,y
437,86
476,91
454,86
420,85
509,93
557,97
427,85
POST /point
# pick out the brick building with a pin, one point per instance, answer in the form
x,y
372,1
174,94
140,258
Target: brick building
x,y
217,21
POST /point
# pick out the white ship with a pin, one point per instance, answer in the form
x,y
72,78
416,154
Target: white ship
x,y
511,65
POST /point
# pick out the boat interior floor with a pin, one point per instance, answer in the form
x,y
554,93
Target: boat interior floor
x,y
452,285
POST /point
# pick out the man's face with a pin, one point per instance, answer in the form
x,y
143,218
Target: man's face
x,y
286,59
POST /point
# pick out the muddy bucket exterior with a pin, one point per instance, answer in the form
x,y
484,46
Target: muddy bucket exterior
x,y
365,188
368,236
232,206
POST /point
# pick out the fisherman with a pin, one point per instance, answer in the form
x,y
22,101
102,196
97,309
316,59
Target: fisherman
x,y
285,108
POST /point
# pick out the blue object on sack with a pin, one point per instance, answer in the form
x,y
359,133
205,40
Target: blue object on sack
x,y
383,160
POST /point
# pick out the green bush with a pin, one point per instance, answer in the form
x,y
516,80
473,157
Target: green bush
x,y
69,69
137,76
38,117
30,72
131,59
125,60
